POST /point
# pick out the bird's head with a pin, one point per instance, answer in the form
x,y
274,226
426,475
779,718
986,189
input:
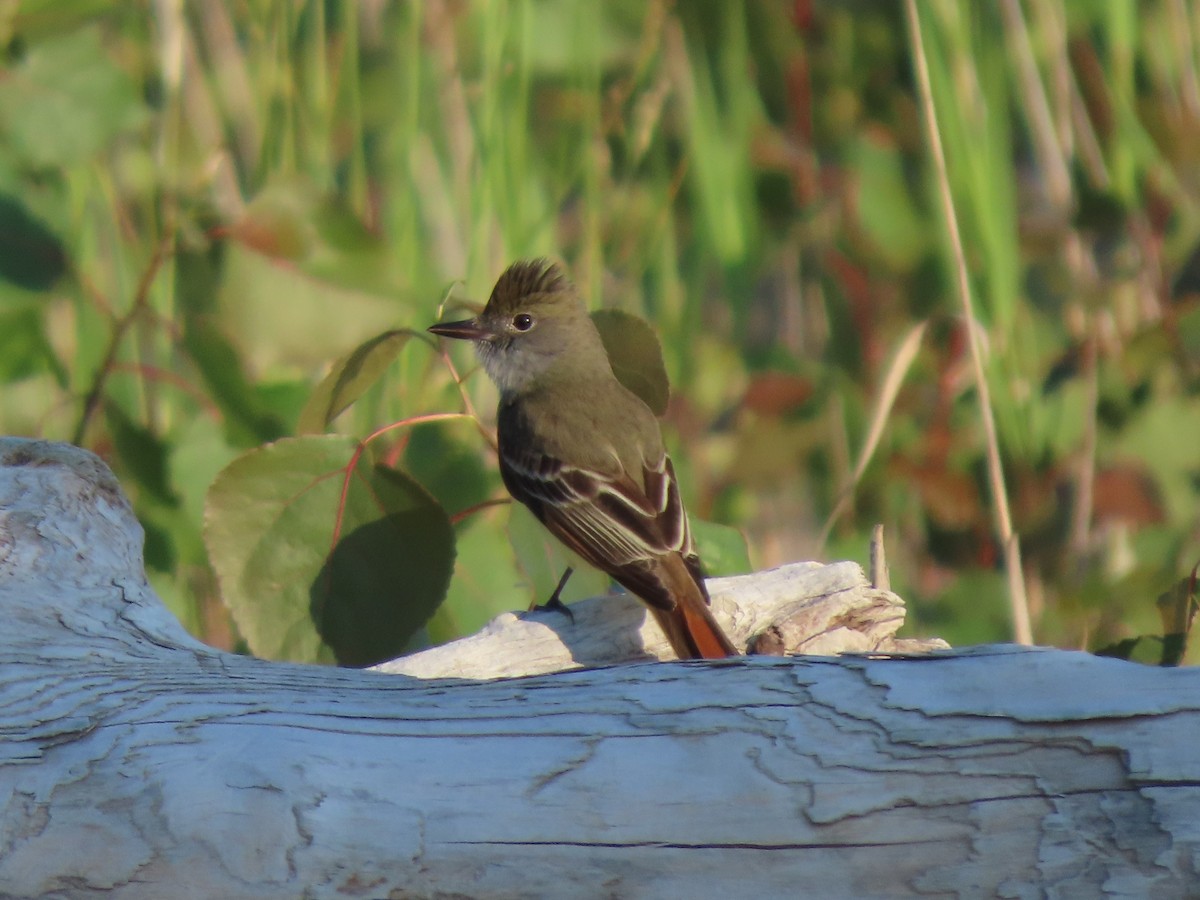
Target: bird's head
x,y
534,324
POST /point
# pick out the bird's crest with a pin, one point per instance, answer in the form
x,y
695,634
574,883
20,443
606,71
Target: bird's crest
x,y
534,276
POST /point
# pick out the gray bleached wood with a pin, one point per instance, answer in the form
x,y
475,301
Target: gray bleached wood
x,y
813,608
135,762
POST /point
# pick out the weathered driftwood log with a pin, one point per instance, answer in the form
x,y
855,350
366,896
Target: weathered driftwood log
x,y
136,762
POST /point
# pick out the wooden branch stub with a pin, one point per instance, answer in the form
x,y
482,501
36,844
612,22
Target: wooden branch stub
x,y
806,608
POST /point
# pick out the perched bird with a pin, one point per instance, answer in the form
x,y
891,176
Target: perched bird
x,y
585,454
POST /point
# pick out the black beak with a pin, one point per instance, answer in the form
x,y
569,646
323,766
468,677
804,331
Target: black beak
x,y
466,330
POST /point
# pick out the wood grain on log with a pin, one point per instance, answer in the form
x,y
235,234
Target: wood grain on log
x,y
135,762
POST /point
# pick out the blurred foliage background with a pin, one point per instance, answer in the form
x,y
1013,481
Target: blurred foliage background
x,y
203,205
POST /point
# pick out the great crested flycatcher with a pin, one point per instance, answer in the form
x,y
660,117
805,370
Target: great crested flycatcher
x,y
585,454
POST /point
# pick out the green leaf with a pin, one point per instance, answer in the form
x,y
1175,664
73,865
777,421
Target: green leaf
x,y
1146,649
1177,607
197,453
486,579
65,101
283,316
221,366
143,453
24,350
722,548
31,255
199,269
1153,437
350,377
885,204
269,528
636,356
452,470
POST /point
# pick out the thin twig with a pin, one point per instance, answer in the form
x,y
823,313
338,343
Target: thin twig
x,y
141,300
352,465
468,406
1022,630
464,514
880,578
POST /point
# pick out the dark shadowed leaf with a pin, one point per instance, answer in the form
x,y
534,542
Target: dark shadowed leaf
x,y
1147,649
269,526
1177,607
31,255
1178,610
350,376
450,469
199,268
143,453
636,356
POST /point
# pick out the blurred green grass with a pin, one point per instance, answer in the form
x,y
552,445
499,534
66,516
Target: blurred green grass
x,y
204,205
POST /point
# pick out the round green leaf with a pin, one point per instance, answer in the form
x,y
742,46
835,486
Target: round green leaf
x,y
269,528
636,356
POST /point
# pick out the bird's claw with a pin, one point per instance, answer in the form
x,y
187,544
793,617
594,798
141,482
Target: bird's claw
x,y
555,602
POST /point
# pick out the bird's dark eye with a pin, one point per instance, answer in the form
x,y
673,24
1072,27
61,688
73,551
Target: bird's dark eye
x,y
522,321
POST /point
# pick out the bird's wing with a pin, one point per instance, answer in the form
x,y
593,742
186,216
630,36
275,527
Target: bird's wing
x,y
617,525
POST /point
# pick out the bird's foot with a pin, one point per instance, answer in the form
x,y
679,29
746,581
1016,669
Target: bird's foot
x,y
555,602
